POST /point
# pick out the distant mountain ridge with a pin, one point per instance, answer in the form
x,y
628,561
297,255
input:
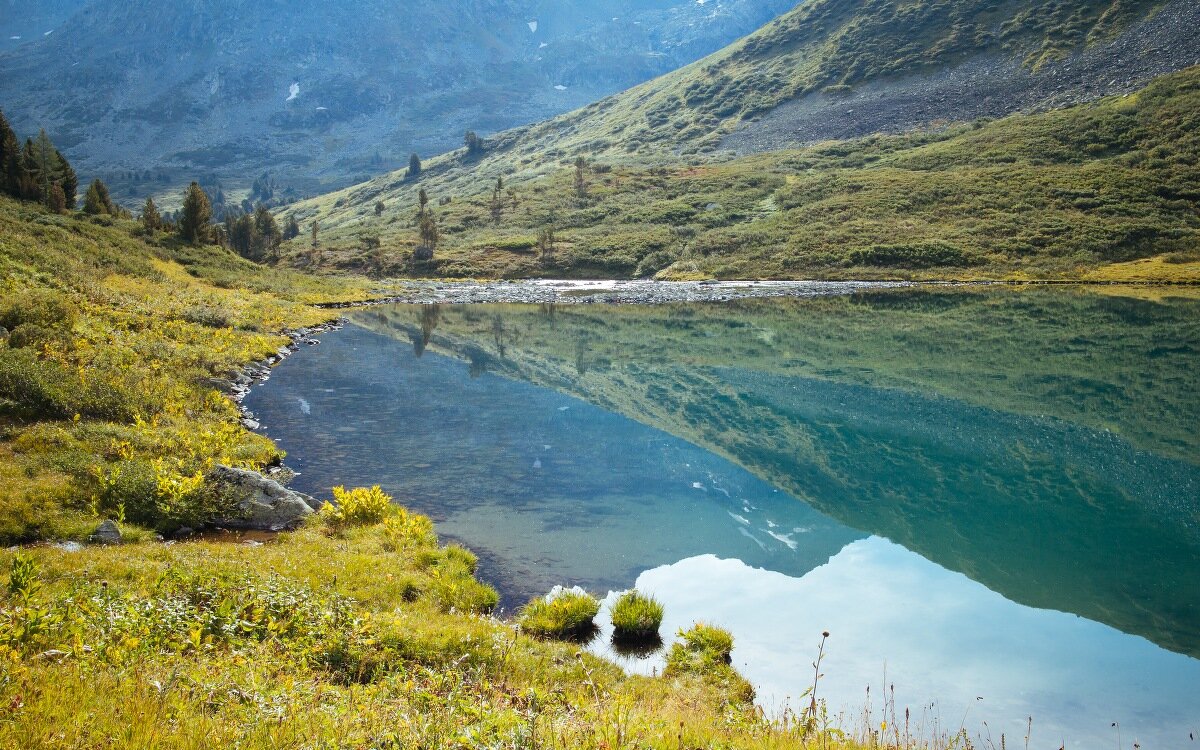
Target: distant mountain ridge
x,y
328,91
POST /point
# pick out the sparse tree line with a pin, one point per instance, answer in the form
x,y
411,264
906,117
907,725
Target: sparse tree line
x,y
39,172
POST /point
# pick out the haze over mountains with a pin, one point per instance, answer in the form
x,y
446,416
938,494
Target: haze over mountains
x,y
318,93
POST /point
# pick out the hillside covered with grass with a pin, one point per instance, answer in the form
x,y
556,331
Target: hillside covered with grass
x,y
1059,195
358,630
113,348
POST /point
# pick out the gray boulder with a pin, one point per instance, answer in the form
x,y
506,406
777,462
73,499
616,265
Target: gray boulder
x,y
106,533
262,504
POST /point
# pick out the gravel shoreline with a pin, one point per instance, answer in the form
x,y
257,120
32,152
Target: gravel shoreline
x,y
544,292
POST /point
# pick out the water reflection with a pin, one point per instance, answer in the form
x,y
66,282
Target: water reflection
x,y
940,638
1032,458
1043,443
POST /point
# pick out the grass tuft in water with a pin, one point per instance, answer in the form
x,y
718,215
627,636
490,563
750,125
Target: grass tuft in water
x,y
568,615
636,617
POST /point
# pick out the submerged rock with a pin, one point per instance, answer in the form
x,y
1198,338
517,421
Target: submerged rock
x,y
106,533
263,504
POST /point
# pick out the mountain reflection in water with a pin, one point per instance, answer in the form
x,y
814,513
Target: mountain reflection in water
x,y
1034,448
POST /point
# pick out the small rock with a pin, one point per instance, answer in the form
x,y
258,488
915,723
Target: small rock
x,y
106,533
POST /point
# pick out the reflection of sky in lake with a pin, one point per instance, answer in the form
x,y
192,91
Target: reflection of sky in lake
x,y
943,640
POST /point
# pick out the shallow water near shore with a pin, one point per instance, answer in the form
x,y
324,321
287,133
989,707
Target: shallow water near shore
x,y
989,497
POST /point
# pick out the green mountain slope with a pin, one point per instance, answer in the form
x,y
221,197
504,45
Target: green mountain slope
x,y
1053,195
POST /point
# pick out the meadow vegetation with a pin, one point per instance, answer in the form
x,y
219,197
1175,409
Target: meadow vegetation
x,y
358,630
367,636
114,349
1058,195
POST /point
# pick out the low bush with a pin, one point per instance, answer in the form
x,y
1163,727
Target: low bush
x,y
357,507
568,615
635,616
44,308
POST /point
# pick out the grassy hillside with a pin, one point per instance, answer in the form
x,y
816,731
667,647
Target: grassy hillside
x,y
338,635
111,344
1063,194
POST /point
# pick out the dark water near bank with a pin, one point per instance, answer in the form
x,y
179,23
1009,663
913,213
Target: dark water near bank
x,y
991,499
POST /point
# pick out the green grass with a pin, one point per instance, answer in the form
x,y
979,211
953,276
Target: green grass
x,y
1059,195
317,641
636,616
108,397
568,615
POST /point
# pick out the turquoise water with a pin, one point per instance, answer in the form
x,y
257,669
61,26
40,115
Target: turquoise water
x,y
989,498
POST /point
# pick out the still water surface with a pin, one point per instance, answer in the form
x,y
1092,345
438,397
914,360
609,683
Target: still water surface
x,y
991,499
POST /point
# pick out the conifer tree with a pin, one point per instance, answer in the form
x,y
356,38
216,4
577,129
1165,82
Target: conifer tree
x,y
197,212
429,231
379,208
151,219
28,188
267,236
57,200
414,167
422,201
581,177
10,160
473,143
497,204
291,230
97,200
69,181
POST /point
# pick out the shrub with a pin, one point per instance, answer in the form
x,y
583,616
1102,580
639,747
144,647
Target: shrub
x,y
404,530
357,507
49,390
635,616
567,614
43,308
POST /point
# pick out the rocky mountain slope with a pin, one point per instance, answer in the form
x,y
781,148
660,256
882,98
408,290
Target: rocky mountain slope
x,y
148,94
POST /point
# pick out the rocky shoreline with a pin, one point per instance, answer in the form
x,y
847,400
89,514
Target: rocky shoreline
x,y
560,292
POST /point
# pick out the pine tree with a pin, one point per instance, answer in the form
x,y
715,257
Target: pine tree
x,y
581,177
379,208
10,160
47,169
422,201
151,219
97,200
291,230
414,167
473,143
267,236
57,200
497,204
197,212
69,182
316,227
28,188
429,231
